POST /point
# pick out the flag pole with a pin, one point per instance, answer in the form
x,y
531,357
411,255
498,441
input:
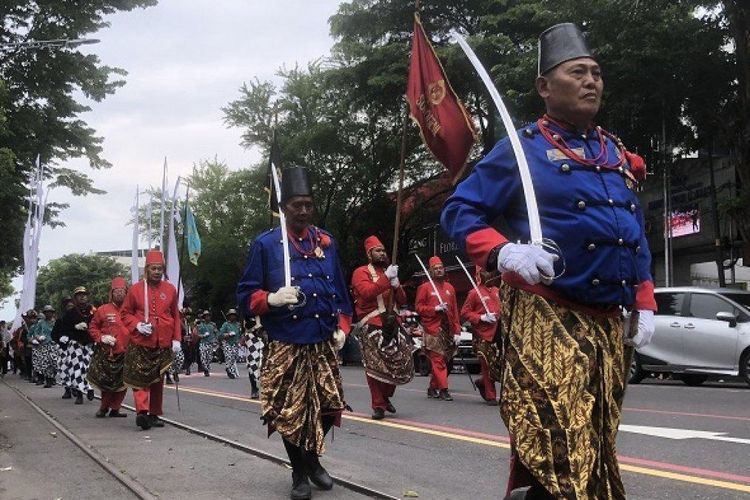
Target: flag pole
x,y
181,258
399,193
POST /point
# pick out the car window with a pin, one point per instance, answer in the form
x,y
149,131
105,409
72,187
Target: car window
x,y
669,303
706,306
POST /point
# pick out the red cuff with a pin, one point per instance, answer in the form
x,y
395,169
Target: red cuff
x,y
258,304
644,297
480,243
345,323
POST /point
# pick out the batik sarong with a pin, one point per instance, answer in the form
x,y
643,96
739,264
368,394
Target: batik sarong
x,y
563,386
48,360
105,371
392,363
299,384
491,352
76,366
206,351
442,343
144,366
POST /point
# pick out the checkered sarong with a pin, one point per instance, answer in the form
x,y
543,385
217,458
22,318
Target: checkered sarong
x,y
179,361
75,366
254,355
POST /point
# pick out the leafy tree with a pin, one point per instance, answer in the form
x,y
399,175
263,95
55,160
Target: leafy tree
x,y
60,276
40,111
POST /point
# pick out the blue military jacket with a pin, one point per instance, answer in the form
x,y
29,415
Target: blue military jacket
x,y
319,278
591,212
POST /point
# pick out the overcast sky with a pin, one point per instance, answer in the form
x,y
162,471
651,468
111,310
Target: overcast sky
x,y
185,60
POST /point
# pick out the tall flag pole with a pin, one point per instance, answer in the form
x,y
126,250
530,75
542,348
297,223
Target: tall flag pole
x,y
149,216
134,272
445,126
173,260
164,198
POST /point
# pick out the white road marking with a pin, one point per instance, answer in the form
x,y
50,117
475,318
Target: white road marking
x,y
670,433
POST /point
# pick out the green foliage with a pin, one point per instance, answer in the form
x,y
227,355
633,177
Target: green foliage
x,y
60,276
40,105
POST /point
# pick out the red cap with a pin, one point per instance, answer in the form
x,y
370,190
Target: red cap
x,y
435,261
119,282
372,242
154,257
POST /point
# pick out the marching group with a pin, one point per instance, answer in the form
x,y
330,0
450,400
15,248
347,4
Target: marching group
x,y
559,343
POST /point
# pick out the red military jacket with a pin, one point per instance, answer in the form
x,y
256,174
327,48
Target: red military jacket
x,y
163,314
473,309
427,300
369,282
107,321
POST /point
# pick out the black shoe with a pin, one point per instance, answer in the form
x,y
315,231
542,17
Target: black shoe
x,y
300,487
49,383
66,394
317,474
143,421
205,373
432,393
116,413
255,394
445,395
90,394
389,406
169,380
491,402
530,493
187,371
79,399
176,377
100,413
378,414
155,421
480,387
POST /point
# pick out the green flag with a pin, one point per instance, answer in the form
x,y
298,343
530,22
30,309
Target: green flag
x,y
193,239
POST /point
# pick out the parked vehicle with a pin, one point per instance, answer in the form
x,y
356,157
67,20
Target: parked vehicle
x,y
699,332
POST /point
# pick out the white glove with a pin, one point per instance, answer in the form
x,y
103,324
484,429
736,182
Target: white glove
x,y
442,307
145,329
64,339
391,272
529,261
395,283
109,340
81,326
646,329
456,339
488,318
35,341
284,296
176,347
339,338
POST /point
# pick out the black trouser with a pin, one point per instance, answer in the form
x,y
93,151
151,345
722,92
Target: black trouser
x,y
190,355
28,368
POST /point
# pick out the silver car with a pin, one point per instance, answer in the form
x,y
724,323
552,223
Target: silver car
x,y
699,332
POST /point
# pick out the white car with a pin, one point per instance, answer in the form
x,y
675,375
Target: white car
x,y
699,332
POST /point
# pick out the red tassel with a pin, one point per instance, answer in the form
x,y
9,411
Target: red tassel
x,y
637,165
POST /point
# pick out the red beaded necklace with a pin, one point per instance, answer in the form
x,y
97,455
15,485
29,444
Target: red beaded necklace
x,y
601,160
297,246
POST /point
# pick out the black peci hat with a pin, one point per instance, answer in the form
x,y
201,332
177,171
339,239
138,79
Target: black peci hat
x,y
294,182
560,43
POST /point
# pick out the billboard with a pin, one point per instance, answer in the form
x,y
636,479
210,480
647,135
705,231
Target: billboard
x,y
685,222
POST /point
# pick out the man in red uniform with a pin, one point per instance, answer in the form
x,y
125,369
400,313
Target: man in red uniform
x,y
152,316
482,310
386,355
439,313
111,336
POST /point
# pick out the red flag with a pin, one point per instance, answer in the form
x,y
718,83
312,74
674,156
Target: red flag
x,y
446,128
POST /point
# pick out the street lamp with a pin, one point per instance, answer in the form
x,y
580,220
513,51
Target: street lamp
x,y
43,44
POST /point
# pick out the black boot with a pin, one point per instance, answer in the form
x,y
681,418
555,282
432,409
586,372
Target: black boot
x,y
187,371
155,421
169,379
66,394
176,377
143,421
79,398
318,475
39,379
49,382
254,394
90,394
300,485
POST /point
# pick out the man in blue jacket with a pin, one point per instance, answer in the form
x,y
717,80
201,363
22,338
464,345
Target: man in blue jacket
x,y
306,323
565,360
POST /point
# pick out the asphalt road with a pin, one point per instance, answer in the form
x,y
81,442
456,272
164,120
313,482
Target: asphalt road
x,y
675,441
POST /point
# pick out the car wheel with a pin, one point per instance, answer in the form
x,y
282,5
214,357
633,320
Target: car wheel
x,y
693,380
636,371
745,367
